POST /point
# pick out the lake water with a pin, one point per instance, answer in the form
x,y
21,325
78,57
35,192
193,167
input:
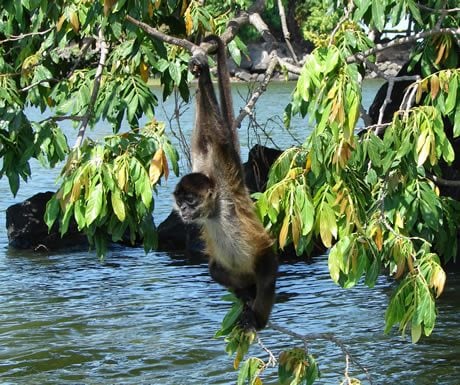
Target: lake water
x,y
66,318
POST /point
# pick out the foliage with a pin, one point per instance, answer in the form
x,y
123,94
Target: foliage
x,y
371,198
317,17
107,187
295,366
50,59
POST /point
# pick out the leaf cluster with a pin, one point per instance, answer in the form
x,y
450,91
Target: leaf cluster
x,y
107,188
370,198
297,367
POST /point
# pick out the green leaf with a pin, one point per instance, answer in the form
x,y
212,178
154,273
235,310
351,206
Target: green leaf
x,y
457,122
328,225
52,211
451,100
118,205
175,72
416,332
378,14
94,204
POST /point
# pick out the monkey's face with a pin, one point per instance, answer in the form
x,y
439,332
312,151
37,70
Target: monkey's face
x,y
195,198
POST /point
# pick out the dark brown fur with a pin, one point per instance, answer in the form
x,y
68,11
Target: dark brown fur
x,y
240,251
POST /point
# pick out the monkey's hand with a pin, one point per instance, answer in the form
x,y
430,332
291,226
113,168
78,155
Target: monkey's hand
x,y
197,64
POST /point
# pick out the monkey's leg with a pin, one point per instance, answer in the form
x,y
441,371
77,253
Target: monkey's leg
x,y
266,270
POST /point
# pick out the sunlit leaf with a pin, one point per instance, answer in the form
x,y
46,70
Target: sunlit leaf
x,y
156,166
94,204
283,235
118,206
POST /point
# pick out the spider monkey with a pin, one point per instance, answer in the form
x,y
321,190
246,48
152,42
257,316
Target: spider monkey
x,y
215,197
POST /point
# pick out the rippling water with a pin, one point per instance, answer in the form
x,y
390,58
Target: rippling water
x,y
66,318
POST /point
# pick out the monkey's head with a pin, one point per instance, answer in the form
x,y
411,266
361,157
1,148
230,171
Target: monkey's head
x,y
195,197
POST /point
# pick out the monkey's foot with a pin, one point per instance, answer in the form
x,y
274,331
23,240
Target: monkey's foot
x,y
247,320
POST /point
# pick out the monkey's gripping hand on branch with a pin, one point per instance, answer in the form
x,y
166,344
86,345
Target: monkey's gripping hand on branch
x,y
198,64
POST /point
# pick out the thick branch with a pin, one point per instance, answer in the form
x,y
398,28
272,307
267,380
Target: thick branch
x,y
290,67
286,34
444,182
189,46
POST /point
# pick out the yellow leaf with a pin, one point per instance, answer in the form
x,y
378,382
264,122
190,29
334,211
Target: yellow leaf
x,y
108,4
433,157
284,232
74,22
434,85
438,280
324,231
156,166
418,94
424,152
399,222
236,362
295,231
150,9
164,162
75,194
144,71
188,22
308,163
157,4
121,178
334,111
257,381
60,22
185,7
442,48
378,238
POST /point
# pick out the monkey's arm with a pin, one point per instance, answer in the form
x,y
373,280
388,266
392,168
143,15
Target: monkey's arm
x,y
226,101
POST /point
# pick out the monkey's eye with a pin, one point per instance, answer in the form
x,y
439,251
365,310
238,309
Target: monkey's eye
x,y
190,199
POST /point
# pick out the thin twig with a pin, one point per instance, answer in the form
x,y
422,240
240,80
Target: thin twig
x,y
321,336
272,361
247,109
76,118
360,56
23,35
345,17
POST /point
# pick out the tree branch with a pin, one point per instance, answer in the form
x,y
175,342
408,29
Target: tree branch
x,y
249,107
286,34
153,32
322,336
360,56
97,83
444,182
23,35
